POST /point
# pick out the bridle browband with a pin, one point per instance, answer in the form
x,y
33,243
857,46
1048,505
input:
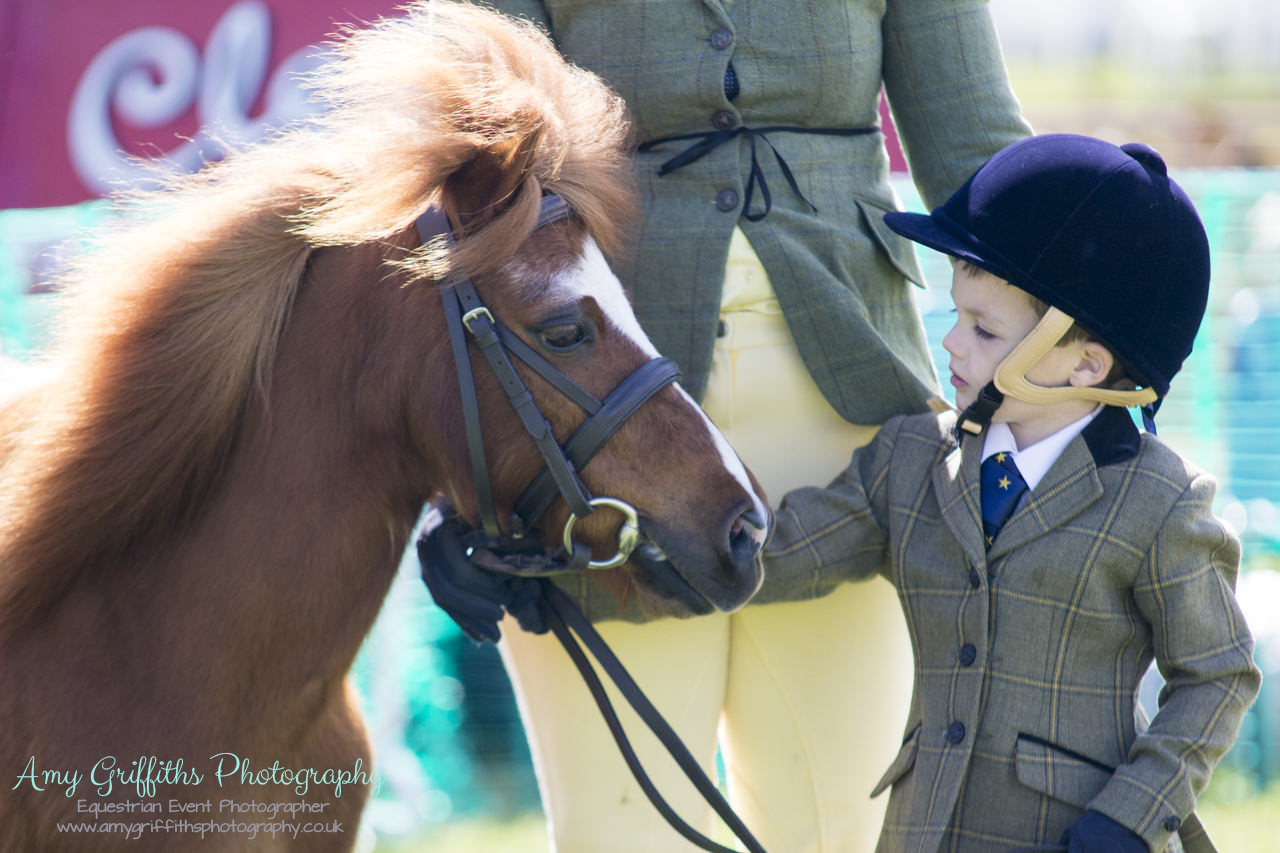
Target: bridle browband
x,y
466,314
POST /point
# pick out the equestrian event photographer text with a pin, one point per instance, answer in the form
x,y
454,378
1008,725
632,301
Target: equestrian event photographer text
x,y
145,773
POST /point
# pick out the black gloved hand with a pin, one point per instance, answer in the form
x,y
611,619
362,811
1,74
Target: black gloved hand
x,y
474,588
1094,832
473,597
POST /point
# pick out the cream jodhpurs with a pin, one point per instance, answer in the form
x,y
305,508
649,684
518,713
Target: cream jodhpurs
x,y
807,699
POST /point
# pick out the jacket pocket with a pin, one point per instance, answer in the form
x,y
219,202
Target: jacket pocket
x,y
899,250
905,761
1058,772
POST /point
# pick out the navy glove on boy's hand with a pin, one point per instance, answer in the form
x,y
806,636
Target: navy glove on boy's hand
x,y
1097,833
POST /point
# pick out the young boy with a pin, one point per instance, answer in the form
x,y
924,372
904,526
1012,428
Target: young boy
x,y
1033,622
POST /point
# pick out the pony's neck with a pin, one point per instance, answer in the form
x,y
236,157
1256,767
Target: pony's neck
x,y
324,487
287,561
307,535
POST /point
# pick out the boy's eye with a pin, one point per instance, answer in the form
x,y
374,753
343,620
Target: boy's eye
x,y
983,333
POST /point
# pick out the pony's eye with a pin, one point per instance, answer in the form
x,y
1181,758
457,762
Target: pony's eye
x,y
563,337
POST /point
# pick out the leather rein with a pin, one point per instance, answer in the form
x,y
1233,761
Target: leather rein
x,y
522,550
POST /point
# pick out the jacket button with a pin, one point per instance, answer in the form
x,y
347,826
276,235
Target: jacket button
x,y
721,38
955,732
968,654
724,120
727,200
1172,823
975,580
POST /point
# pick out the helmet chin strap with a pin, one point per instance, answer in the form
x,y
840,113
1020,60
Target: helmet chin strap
x,y
1011,379
977,417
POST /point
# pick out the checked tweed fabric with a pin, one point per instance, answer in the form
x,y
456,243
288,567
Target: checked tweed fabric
x,y
1029,653
840,273
1002,488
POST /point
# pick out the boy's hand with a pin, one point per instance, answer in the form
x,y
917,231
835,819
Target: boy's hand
x,y
1097,833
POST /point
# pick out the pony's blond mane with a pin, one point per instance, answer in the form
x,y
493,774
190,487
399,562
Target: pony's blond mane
x,y
172,324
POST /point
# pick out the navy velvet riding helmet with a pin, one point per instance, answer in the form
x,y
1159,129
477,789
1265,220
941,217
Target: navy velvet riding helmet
x,y
1095,230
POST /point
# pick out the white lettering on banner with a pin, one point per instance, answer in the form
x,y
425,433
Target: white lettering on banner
x,y
152,75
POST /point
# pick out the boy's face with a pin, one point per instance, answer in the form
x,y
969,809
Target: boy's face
x,y
992,317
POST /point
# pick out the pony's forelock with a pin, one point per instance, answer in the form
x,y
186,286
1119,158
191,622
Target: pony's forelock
x,y
421,94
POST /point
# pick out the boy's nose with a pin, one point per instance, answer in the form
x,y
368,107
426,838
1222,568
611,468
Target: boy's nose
x,y
948,340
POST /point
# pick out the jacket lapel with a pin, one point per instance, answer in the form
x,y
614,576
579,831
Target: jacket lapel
x,y
1067,489
957,483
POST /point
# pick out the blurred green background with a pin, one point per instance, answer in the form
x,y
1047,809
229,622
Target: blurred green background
x,y
1198,80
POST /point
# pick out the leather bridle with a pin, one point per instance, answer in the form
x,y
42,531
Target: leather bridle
x,y
466,315
521,552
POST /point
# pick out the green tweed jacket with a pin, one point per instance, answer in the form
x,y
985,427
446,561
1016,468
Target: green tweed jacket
x,y
841,276
1028,656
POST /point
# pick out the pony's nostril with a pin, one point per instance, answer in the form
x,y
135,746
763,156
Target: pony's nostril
x,y
740,562
746,534
749,520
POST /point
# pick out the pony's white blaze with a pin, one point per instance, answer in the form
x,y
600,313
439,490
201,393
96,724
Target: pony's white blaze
x,y
731,461
593,277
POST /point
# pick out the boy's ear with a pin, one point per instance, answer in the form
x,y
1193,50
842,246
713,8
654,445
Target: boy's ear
x,y
1094,365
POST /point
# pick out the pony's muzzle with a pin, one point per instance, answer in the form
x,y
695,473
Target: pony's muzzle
x,y
712,565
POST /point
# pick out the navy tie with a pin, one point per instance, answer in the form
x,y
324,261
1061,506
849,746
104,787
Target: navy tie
x,y
1002,488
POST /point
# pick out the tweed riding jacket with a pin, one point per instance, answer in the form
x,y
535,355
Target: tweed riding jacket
x,y
841,276
1028,656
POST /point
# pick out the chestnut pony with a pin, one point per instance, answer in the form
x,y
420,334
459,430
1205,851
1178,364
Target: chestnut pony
x,y
203,507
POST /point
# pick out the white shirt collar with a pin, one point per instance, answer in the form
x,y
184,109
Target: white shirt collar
x,y
1034,460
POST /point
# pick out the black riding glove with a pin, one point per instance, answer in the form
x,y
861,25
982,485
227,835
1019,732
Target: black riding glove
x,y
472,588
1097,833
473,597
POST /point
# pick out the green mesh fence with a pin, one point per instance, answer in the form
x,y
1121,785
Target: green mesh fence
x,y
440,710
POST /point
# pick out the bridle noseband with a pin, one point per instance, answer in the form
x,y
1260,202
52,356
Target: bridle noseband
x,y
466,314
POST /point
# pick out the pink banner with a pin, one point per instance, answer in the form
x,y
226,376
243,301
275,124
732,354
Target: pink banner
x,y
86,83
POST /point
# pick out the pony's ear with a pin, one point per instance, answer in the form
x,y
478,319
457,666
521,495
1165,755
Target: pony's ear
x,y
483,187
